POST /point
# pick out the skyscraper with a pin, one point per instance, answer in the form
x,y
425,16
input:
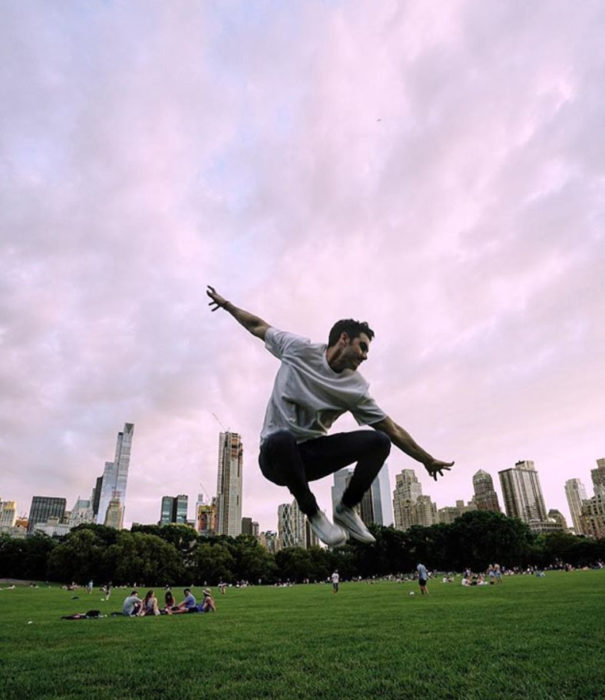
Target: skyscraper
x,y
115,477
206,518
407,486
593,509
114,517
8,513
598,478
293,528
96,497
485,496
174,509
576,494
229,485
381,497
43,508
522,493
410,507
290,525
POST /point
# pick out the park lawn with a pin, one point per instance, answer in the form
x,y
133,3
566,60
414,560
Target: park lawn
x,y
529,637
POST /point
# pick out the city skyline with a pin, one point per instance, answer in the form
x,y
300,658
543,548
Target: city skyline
x,y
338,483
433,168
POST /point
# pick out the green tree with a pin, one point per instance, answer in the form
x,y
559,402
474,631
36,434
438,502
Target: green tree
x,y
79,557
182,537
252,561
143,559
479,538
210,562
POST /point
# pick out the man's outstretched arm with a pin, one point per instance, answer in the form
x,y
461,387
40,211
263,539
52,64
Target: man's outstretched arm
x,y
249,321
405,442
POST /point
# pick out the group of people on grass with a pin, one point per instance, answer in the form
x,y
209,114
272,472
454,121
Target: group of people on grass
x,y
139,607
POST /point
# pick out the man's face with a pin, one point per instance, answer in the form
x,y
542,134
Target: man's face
x,y
354,350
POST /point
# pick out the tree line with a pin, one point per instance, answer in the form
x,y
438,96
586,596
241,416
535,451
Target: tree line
x,y
156,555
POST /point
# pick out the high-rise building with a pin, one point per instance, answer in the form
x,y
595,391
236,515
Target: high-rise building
x,y
293,529
522,494
95,496
290,525
426,511
206,518
8,513
558,518
115,477
410,507
269,541
114,516
246,526
405,498
174,509
407,485
381,498
485,497
598,478
229,485
43,508
576,495
592,516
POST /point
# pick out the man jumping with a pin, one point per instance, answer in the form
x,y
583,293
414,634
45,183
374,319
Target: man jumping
x,y
316,384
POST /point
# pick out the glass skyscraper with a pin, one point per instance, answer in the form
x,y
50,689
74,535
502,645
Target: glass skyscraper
x,y
115,476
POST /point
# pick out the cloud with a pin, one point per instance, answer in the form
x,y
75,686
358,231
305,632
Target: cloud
x,y
436,170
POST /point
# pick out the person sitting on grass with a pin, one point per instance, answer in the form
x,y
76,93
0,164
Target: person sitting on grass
x,y
207,604
169,603
132,604
188,604
150,605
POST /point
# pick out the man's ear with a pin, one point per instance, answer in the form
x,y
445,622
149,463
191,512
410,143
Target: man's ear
x,y
344,338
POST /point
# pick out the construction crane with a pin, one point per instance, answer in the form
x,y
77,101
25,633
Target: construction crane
x,y
218,420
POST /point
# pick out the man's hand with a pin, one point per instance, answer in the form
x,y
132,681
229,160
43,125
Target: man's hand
x,y
405,442
436,466
250,322
218,302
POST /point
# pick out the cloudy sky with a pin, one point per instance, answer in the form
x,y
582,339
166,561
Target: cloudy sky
x,y
434,168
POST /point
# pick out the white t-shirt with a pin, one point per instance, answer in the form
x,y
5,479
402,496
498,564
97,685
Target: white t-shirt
x,y
308,395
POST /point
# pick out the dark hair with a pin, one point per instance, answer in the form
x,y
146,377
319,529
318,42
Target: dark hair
x,y
352,328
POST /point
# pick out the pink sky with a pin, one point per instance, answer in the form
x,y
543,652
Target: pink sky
x,y
433,168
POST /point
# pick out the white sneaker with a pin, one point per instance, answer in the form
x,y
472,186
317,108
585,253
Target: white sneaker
x,y
348,519
329,534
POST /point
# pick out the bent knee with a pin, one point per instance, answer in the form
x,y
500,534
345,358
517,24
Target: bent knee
x,y
381,443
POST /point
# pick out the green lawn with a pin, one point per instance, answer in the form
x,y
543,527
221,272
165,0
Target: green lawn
x,y
528,638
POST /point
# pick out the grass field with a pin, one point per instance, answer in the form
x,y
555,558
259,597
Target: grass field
x,y
528,638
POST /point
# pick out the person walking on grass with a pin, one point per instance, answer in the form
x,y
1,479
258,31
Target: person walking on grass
x,y
315,384
335,580
423,577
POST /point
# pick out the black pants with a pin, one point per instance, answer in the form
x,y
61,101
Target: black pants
x,y
286,463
